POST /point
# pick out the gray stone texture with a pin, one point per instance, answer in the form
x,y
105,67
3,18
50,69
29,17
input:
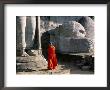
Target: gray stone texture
x,y
51,22
88,24
68,33
71,45
25,31
71,38
72,29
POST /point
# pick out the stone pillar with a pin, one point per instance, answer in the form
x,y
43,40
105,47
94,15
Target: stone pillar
x,y
39,35
30,31
20,29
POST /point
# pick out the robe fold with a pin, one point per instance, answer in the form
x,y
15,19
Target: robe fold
x,y
52,59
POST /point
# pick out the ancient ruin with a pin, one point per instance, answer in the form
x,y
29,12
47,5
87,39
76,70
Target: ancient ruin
x,y
71,35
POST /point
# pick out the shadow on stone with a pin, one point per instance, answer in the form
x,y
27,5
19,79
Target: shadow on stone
x,y
44,43
25,70
45,39
43,70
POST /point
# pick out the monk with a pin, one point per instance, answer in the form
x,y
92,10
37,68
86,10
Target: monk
x,y
52,59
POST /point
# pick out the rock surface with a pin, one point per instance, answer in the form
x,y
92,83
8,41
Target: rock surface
x,y
51,22
88,24
71,45
71,38
37,65
72,29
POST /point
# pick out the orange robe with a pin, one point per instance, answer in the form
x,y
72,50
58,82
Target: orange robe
x,y
52,59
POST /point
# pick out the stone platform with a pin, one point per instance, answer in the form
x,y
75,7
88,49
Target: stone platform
x,y
38,65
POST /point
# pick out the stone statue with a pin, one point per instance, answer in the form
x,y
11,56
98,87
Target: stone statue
x,y
72,38
25,33
88,24
72,29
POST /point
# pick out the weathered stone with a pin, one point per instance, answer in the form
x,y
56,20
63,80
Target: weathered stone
x,y
62,33
72,29
85,68
71,38
48,23
71,45
25,31
20,32
62,19
88,24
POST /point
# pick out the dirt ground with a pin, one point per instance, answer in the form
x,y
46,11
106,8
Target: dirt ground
x,y
38,65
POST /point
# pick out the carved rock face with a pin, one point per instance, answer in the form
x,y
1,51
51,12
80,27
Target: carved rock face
x,y
72,38
72,29
88,24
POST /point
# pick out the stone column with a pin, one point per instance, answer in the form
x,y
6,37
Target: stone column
x,y
30,31
39,35
20,29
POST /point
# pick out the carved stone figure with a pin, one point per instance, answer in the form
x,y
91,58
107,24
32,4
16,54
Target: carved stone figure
x,y
88,24
72,29
25,32
72,38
